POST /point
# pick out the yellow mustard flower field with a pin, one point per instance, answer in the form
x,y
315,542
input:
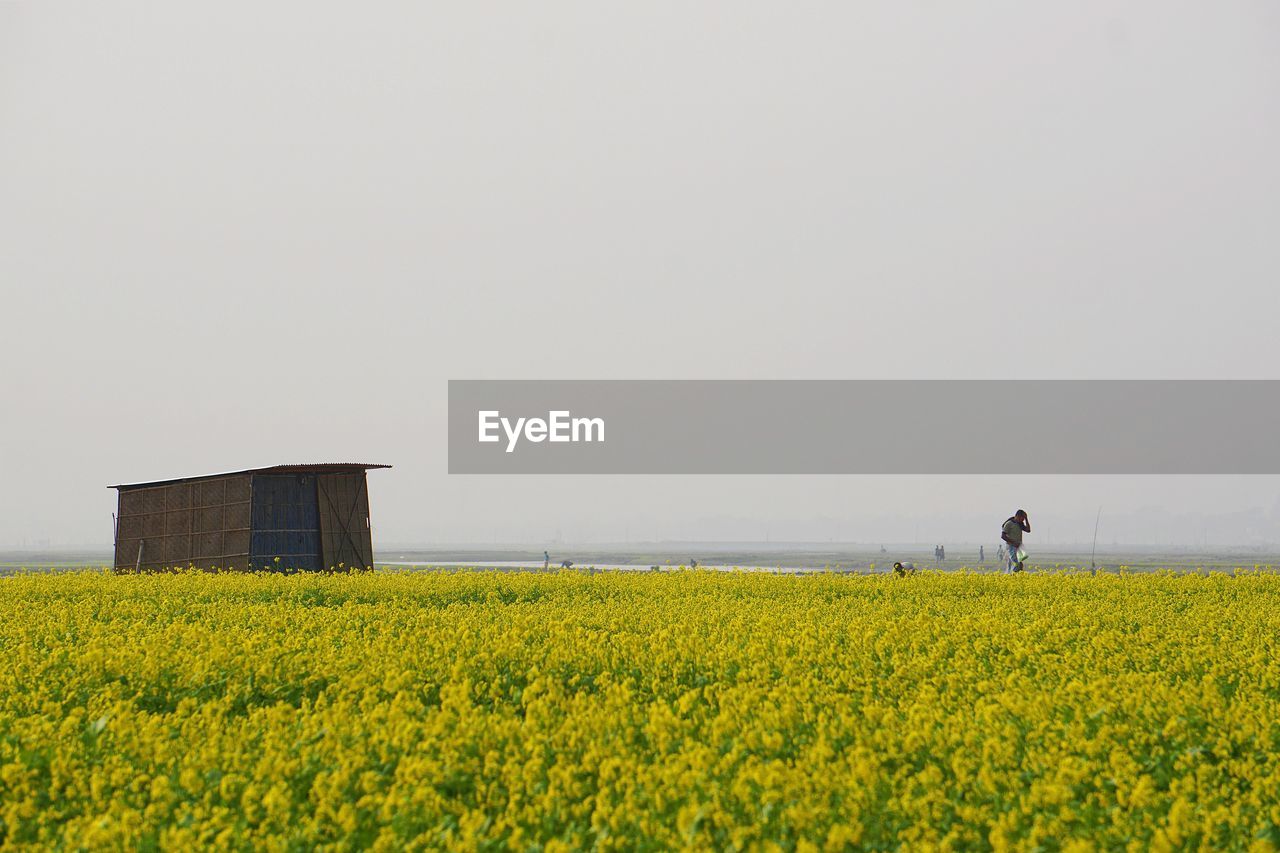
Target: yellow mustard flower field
x,y
650,711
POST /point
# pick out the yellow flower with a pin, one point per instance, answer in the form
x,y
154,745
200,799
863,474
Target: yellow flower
x,y
689,710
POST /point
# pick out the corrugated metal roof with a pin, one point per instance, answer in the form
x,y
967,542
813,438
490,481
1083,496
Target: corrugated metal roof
x,y
309,468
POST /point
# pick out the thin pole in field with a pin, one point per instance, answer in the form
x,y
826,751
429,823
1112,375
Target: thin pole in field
x,y
1093,561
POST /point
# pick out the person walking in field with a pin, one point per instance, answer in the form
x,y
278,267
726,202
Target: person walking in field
x,y
982,554
1011,533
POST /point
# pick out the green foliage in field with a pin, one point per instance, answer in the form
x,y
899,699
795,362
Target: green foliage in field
x,y
651,711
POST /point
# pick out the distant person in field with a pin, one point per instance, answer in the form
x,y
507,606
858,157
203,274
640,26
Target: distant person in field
x,y
982,554
1011,532
546,560
942,553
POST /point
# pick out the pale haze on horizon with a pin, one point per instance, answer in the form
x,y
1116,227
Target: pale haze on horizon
x,y
243,234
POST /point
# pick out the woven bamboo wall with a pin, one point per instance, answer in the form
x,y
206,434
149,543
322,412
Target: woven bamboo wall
x,y
204,524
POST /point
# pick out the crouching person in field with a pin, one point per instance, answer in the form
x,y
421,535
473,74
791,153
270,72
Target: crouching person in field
x,y
904,569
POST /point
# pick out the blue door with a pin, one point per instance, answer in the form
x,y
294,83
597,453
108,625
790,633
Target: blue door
x,y
286,523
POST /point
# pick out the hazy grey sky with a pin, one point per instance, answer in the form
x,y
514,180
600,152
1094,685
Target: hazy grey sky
x,y
238,233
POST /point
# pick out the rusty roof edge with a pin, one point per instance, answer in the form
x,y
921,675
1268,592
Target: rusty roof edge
x,y
319,467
